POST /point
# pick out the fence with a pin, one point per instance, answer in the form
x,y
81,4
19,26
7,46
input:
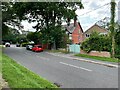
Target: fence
x,y
75,48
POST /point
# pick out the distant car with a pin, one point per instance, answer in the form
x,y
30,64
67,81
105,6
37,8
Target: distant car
x,y
37,48
29,47
7,44
17,45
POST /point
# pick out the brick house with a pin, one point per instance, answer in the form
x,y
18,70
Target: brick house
x,y
94,28
75,32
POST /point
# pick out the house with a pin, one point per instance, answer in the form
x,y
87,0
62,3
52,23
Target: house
x,y
75,32
94,28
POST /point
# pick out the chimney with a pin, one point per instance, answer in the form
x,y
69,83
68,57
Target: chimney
x,y
75,19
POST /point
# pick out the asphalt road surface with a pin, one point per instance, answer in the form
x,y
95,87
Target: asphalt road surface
x,y
66,72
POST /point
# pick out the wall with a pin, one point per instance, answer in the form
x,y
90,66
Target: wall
x,y
96,53
74,48
77,35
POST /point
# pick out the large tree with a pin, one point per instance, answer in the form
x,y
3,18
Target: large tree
x,y
9,17
48,15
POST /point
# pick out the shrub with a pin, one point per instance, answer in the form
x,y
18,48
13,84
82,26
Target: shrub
x,y
24,44
97,42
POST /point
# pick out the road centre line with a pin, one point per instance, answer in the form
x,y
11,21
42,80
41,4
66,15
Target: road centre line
x,y
75,66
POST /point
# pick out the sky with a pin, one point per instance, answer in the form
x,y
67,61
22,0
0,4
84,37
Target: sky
x,y
94,10
119,12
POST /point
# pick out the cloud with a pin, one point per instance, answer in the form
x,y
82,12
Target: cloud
x,y
28,26
87,19
88,16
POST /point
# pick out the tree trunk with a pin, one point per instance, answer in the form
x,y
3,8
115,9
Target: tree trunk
x,y
113,47
53,23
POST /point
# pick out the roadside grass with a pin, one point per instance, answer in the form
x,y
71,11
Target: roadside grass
x,y
18,76
1,46
99,58
0,63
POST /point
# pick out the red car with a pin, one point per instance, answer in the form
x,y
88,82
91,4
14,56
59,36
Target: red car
x,y
37,48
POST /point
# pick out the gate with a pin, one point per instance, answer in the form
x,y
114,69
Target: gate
x,y
75,48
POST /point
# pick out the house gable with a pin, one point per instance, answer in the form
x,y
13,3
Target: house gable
x,y
95,28
77,35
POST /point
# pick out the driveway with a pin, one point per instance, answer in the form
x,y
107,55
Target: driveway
x,y
64,71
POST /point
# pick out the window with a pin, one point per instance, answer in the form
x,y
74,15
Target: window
x,y
79,38
87,35
79,31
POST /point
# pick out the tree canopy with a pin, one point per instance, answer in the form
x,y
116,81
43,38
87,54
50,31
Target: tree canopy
x,y
48,15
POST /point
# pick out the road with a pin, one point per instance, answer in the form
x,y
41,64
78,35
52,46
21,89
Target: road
x,y
66,72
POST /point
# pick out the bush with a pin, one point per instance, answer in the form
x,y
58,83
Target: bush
x,y
117,51
117,56
97,42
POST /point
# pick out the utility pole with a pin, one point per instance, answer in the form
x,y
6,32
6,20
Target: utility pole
x,y
112,27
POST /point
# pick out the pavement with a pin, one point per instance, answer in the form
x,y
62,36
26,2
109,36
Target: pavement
x,y
71,55
66,70
3,83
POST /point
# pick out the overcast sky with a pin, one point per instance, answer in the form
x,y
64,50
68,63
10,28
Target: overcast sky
x,y
88,16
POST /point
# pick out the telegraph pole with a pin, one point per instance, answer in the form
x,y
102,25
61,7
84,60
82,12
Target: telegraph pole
x,y
112,27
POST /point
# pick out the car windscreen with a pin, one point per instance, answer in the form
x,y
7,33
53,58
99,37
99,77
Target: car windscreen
x,y
39,46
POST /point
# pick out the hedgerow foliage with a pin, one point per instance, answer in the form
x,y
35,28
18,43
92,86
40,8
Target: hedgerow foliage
x,y
97,42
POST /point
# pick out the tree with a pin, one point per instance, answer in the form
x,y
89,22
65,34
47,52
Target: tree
x,y
34,36
9,17
47,14
117,42
112,25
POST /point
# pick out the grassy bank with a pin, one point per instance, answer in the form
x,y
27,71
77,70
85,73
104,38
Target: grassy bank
x,y
98,58
19,77
0,58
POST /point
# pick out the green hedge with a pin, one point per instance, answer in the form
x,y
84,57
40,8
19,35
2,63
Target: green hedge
x,y
24,44
97,42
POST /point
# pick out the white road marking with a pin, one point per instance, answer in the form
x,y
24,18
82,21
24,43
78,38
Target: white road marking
x,y
75,66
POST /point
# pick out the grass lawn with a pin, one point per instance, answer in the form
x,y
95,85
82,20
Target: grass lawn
x,y
19,77
98,58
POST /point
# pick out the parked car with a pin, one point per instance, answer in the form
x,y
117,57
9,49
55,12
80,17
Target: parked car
x,y
37,48
17,45
29,47
7,44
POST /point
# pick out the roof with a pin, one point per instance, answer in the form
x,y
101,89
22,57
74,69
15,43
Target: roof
x,y
80,27
71,27
97,26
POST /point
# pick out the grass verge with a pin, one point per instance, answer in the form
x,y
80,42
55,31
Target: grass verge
x,y
19,77
99,58
0,59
